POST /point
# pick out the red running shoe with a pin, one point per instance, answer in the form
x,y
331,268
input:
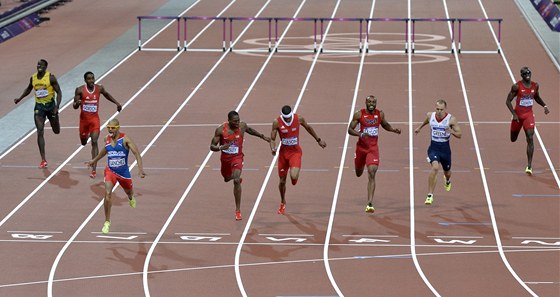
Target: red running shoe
x,y
282,209
43,164
93,174
238,215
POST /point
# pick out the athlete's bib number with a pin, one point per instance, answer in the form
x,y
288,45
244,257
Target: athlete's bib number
x,y
371,131
526,102
114,163
439,133
90,108
41,93
232,150
290,141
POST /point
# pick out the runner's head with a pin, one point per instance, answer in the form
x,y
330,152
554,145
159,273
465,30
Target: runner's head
x,y
371,103
42,66
441,106
287,113
89,78
525,73
113,127
233,119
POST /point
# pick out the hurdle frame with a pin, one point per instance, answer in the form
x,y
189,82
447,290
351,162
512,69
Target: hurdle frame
x,y
489,21
372,20
150,17
414,20
276,45
231,19
321,40
213,19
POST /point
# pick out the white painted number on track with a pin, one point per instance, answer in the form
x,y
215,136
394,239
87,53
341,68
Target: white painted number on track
x,y
454,241
118,237
296,239
200,238
540,242
368,240
31,236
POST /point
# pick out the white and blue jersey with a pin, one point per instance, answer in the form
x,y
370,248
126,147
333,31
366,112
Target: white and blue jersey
x,y
439,149
117,157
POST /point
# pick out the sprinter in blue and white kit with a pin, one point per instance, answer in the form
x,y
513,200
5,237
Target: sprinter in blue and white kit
x,y
443,125
117,146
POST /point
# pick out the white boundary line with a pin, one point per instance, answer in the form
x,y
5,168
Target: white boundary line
x,y
86,221
506,63
411,163
202,166
228,266
480,163
97,80
341,167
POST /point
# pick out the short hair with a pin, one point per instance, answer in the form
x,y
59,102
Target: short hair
x,y
370,96
44,61
114,121
88,73
231,114
441,101
523,69
286,110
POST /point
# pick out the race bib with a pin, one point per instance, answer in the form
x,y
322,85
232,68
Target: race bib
x,y
526,102
290,141
90,108
114,163
439,133
41,93
232,150
371,131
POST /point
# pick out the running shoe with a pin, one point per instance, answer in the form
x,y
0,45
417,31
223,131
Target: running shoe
x,y
429,199
369,208
529,170
282,209
43,164
93,174
106,226
132,202
447,184
238,215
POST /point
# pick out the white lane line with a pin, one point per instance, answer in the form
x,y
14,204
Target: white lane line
x,y
229,266
411,165
86,221
479,160
537,134
341,167
203,165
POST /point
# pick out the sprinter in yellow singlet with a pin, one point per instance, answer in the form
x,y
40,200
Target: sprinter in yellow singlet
x,y
44,85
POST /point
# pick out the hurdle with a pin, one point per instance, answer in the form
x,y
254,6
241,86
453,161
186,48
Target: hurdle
x,y
172,18
433,20
269,20
276,20
489,21
360,45
372,20
186,46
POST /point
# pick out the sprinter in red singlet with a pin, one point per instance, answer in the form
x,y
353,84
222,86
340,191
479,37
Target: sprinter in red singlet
x,y
289,158
525,92
228,139
86,98
367,151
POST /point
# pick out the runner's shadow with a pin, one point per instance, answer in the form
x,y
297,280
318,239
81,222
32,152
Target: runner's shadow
x,y
63,180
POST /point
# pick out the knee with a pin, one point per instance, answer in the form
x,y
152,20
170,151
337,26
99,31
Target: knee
x,y
83,141
108,196
236,181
